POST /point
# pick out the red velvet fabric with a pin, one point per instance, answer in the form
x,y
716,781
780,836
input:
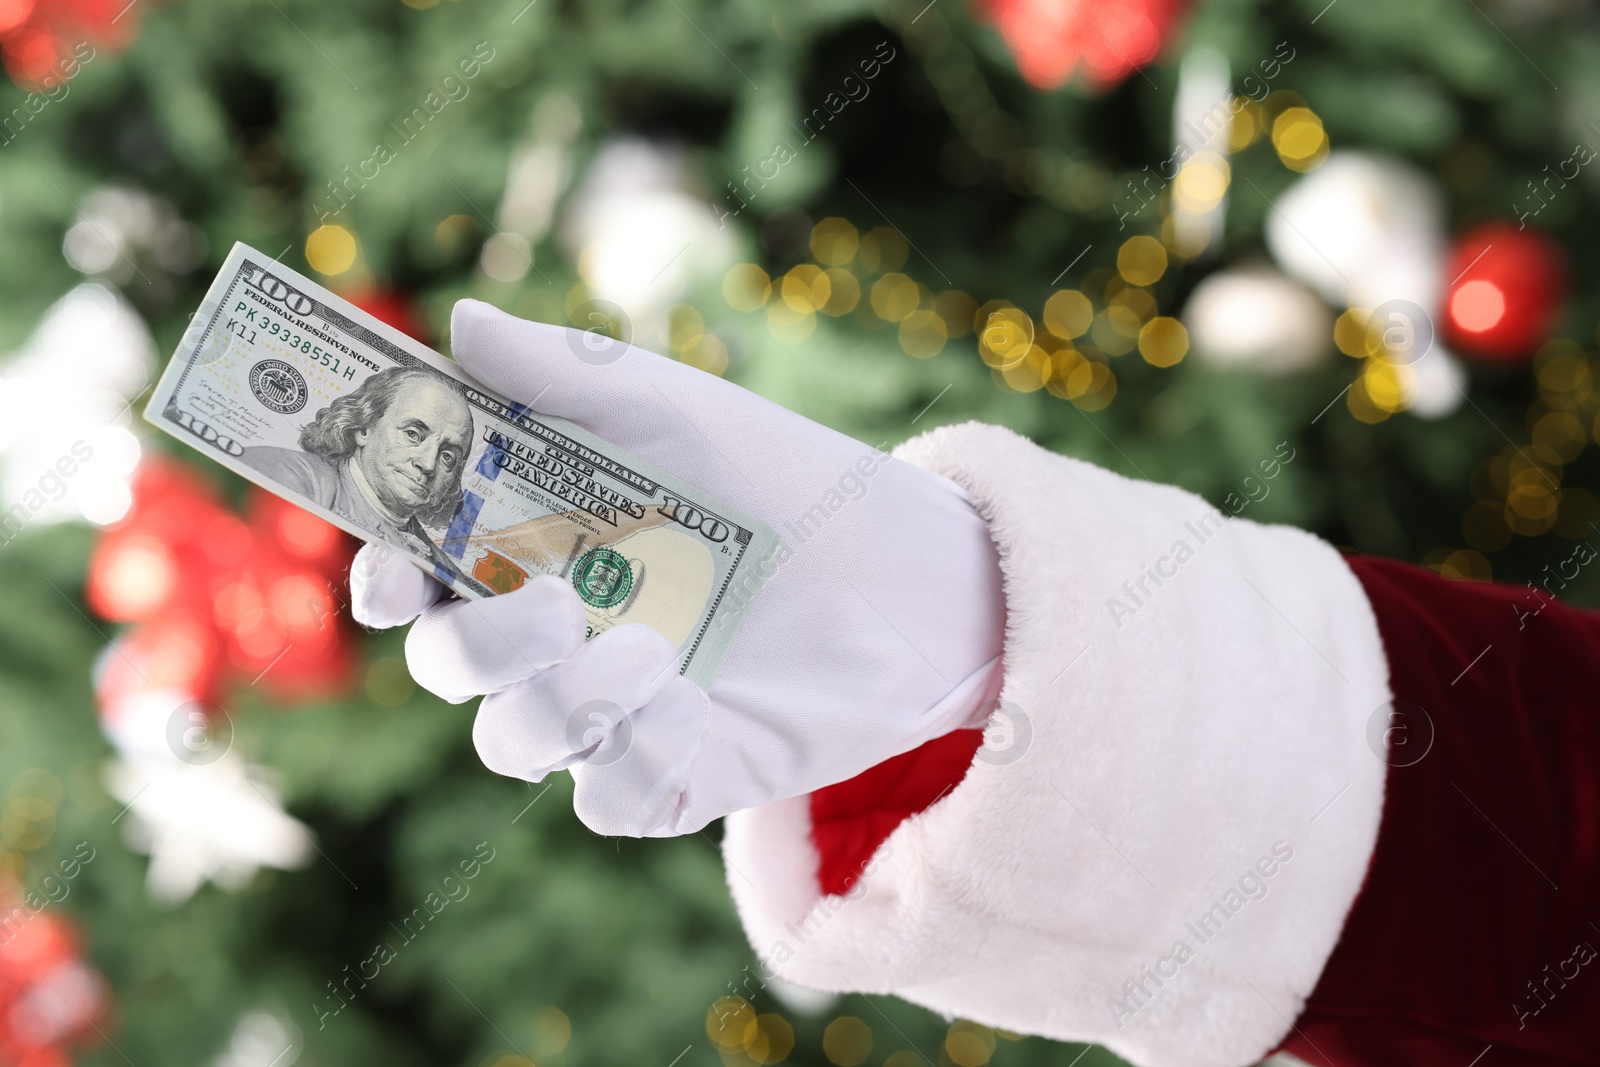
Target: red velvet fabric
x,y
851,819
1485,880
1466,945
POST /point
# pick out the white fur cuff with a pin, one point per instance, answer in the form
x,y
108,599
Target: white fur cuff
x,y
1166,866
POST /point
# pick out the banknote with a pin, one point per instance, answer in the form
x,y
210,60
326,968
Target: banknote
x,y
304,394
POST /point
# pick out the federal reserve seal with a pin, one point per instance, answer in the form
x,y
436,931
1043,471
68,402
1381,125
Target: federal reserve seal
x,y
278,386
602,577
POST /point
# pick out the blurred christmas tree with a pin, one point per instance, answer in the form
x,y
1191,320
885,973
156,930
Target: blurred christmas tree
x,y
1139,233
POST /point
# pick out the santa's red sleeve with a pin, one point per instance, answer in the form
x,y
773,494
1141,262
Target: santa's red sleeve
x,y
1242,794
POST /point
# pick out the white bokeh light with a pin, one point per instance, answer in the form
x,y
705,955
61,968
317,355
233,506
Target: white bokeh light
x,y
640,237
1362,229
66,447
1259,319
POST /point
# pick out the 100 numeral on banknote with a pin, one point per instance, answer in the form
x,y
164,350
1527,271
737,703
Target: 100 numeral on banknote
x,y
305,394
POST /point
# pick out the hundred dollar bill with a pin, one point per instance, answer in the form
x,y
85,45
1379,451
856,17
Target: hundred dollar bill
x,y
310,397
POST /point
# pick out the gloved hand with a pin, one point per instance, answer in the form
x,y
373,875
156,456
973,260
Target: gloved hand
x,y
879,629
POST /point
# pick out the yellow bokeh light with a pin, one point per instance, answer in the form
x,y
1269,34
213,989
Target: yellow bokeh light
x,y
585,263
552,1030
1350,333
968,1044
923,334
805,288
1201,183
1280,100
1030,373
894,296
28,823
684,326
987,308
1142,260
1137,300
883,249
707,353
789,325
1561,432
331,249
1388,384
729,1022
844,292
956,308
1360,400
1564,375
452,230
1246,126
1088,383
746,287
576,298
1463,564
1068,314
1006,337
1116,331
1531,512
1534,500
834,242
847,1042
1062,363
1163,341
1184,242
770,1040
1298,136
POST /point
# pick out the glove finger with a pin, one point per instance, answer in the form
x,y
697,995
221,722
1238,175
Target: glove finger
x,y
634,784
548,722
387,589
466,648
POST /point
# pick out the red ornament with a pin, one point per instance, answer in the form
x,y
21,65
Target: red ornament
x,y
393,309
1506,286
1110,38
45,41
217,599
49,999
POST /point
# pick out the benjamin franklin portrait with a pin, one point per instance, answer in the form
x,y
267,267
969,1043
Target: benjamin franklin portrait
x,y
389,457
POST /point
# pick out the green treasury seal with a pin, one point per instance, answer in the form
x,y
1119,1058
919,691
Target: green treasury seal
x,y
602,577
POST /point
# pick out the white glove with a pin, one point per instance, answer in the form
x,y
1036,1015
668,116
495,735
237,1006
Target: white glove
x,y
879,629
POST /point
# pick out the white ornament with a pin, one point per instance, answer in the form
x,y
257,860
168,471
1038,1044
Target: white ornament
x,y
1361,230
261,1039
215,821
640,237
1436,386
66,445
1257,318
118,227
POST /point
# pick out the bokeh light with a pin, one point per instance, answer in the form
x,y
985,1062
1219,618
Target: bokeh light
x,y
1298,136
331,249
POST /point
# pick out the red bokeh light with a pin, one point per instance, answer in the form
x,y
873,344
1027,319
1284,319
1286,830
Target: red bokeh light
x,y
1507,285
14,13
1109,39
219,599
